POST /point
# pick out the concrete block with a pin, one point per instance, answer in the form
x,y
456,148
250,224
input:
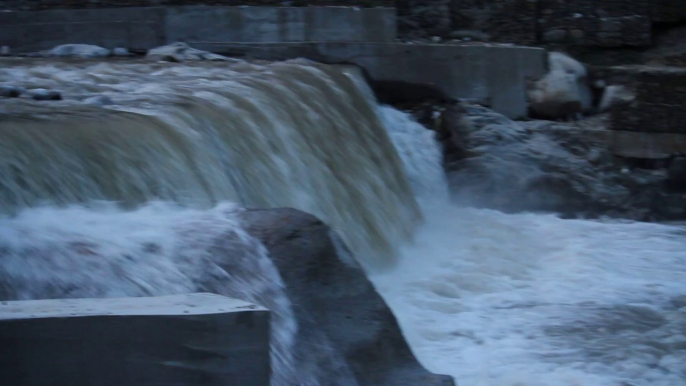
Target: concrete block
x,y
496,75
196,339
193,24
138,28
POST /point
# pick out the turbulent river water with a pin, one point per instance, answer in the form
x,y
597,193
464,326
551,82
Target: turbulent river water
x,y
126,198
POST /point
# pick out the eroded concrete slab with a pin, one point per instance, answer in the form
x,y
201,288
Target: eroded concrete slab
x,y
196,339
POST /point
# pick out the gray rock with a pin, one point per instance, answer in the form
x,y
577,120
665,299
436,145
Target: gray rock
x,y
41,94
10,91
78,51
120,51
180,52
336,306
185,339
539,165
4,50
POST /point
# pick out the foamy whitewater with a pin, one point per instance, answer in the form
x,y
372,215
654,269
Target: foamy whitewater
x,y
532,300
492,299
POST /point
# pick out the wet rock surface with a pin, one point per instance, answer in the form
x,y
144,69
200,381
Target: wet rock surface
x,y
562,167
340,314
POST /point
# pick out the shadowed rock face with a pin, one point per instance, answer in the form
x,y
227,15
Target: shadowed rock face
x,y
338,310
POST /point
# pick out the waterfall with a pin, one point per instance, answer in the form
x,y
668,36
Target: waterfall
x,y
290,134
132,198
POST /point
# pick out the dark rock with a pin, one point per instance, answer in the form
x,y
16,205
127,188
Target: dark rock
x,y
677,173
555,36
10,91
335,304
41,94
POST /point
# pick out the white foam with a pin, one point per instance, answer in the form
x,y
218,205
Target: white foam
x,y
533,300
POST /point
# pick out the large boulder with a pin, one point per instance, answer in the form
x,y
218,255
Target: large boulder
x,y
335,304
498,163
564,91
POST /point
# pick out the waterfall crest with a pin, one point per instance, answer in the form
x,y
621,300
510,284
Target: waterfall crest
x,y
290,134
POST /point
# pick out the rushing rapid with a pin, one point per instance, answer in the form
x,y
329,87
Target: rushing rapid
x,y
533,300
121,189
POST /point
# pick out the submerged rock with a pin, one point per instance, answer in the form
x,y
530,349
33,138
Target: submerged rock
x,y
120,51
340,315
10,91
180,52
100,100
78,51
41,94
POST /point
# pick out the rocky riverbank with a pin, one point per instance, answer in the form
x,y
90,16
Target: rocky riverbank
x,y
552,166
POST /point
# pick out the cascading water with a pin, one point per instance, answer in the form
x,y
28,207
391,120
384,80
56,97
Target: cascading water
x,y
122,200
493,299
292,134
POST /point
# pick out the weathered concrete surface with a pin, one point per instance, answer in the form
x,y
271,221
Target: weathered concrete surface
x,y
133,28
147,27
494,75
279,24
341,317
196,339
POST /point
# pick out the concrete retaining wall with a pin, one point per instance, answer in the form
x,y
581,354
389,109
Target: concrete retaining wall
x,y
198,339
494,75
134,28
144,28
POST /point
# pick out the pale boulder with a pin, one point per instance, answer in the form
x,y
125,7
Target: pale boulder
x,y
181,52
564,91
615,95
78,51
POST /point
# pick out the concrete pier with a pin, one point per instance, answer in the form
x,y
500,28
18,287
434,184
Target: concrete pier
x,y
196,339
